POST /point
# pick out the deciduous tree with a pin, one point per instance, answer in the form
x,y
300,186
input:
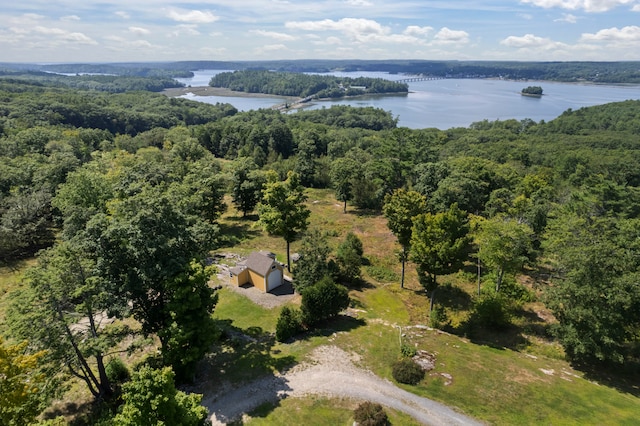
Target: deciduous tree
x,y
282,210
400,208
439,245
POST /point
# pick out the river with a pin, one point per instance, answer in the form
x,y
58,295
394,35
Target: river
x,y
448,103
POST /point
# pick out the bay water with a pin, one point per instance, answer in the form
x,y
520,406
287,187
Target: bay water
x,y
448,103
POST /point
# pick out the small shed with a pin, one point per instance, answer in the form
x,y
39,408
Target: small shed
x,y
260,269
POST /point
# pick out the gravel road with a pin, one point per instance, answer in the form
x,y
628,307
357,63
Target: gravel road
x,y
332,373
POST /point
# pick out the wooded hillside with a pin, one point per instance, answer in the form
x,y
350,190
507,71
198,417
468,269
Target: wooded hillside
x,y
124,192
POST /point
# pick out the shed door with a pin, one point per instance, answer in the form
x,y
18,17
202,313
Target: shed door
x,y
274,279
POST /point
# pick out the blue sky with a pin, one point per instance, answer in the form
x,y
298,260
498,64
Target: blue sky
x,y
159,30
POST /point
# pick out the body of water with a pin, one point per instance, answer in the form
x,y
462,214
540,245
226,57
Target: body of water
x,y
448,103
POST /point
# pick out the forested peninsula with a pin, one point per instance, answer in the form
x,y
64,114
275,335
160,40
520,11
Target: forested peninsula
x,y
507,253
304,85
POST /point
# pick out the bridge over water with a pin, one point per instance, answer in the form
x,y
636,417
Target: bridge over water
x,y
414,79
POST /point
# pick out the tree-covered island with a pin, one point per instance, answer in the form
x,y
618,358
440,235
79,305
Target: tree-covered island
x,y
534,91
304,85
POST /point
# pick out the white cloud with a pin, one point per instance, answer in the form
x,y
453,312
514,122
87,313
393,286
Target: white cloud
x,y
445,35
70,18
525,16
630,34
415,31
273,34
122,14
528,40
360,30
359,3
567,17
530,46
353,26
636,8
272,47
192,16
139,31
586,5
184,29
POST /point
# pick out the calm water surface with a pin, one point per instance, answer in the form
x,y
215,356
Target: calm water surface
x,y
453,102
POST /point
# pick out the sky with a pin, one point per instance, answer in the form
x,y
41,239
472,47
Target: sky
x,y
46,31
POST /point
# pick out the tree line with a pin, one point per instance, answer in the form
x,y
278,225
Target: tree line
x,y
303,85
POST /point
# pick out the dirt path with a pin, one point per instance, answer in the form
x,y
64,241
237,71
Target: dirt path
x,y
331,373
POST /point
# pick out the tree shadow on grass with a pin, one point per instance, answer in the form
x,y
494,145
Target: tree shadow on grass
x,y
339,324
625,377
235,232
244,356
453,297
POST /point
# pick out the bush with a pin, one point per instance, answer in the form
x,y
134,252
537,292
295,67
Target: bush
x,y
117,371
323,301
438,318
407,371
289,324
407,351
492,311
370,414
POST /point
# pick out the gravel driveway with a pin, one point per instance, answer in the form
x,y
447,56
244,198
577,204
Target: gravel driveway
x,y
332,373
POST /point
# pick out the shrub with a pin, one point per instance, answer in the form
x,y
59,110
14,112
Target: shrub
x,y
323,301
370,414
349,257
492,311
117,371
407,351
289,324
438,317
407,371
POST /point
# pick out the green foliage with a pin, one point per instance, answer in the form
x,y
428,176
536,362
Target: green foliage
x,y
532,90
322,301
438,317
289,324
302,85
407,351
117,371
63,287
407,371
491,310
349,258
400,208
21,384
282,210
246,184
370,414
439,244
504,245
596,298
151,399
312,265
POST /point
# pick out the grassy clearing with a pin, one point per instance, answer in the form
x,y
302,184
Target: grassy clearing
x,y
517,376
316,411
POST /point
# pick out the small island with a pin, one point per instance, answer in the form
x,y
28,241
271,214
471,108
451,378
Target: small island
x,y
533,91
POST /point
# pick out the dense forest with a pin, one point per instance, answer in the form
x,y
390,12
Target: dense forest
x,y
304,85
120,196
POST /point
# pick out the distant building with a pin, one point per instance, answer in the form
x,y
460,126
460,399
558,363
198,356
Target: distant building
x,y
260,269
